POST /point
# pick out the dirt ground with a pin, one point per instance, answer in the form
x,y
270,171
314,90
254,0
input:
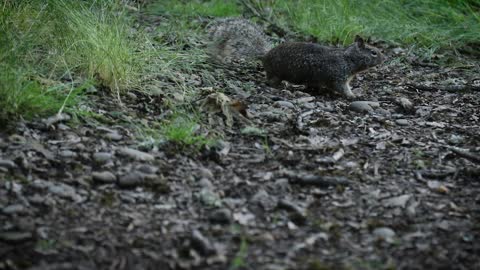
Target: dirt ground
x,y
320,183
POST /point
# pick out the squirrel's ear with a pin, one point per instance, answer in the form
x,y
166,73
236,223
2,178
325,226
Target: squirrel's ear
x,y
359,41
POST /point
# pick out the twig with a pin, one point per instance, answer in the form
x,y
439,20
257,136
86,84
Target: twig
x,y
448,88
466,154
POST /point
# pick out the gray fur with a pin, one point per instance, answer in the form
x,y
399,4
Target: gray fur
x,y
320,66
237,39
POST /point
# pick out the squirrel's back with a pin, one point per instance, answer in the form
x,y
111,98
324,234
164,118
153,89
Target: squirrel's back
x,y
237,39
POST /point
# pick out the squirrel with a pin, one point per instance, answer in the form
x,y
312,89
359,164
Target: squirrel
x,y
305,63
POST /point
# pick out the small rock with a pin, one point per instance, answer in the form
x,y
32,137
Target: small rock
x,y
363,106
221,216
14,209
201,244
383,112
15,237
56,119
130,180
405,104
206,173
284,104
384,233
67,154
205,183
5,163
264,199
135,154
113,136
102,157
147,169
104,177
17,139
402,122
400,201
209,197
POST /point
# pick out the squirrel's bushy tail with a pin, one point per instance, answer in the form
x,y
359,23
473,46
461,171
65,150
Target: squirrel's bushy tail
x,y
237,40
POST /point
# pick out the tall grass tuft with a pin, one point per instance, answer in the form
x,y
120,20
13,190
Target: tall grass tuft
x,y
50,48
424,23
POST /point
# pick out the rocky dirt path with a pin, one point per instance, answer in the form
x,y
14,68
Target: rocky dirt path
x,y
321,183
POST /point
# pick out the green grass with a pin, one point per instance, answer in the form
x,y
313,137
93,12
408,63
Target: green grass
x,y
241,255
423,23
215,8
427,25
50,50
183,130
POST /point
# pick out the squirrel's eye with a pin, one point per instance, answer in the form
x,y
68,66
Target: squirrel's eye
x,y
374,53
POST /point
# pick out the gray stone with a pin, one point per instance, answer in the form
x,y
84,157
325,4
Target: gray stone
x,y
363,106
264,199
102,157
135,154
384,233
113,136
15,237
104,177
130,180
14,209
399,201
221,216
67,154
5,163
147,169
206,173
284,104
402,122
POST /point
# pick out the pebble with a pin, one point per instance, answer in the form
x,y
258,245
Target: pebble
x,y
17,139
402,122
67,154
405,104
201,244
15,237
14,209
5,163
284,104
147,169
264,199
113,136
384,233
102,157
104,177
221,216
130,180
363,106
206,173
135,154
399,201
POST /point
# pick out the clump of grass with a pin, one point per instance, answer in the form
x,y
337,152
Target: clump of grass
x,y
97,43
431,23
183,130
50,49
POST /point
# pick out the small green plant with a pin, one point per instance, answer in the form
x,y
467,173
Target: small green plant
x,y
239,259
183,129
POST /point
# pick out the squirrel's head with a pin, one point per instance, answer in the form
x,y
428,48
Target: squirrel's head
x,y
362,55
